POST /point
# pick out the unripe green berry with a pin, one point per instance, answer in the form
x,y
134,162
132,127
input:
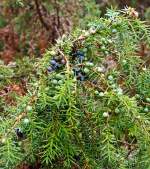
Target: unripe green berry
x,y
110,41
137,96
138,117
114,30
47,89
146,109
80,135
72,72
54,81
106,52
60,82
101,94
3,140
29,108
96,92
86,70
86,33
103,48
144,68
20,143
110,77
59,76
52,52
1,76
100,69
26,121
117,110
124,61
105,114
89,64
119,91
148,99
103,40
113,86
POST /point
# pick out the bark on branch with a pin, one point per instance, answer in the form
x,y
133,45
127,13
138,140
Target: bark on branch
x,y
46,26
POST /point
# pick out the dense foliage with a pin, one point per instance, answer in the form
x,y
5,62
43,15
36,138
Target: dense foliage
x,y
88,104
29,27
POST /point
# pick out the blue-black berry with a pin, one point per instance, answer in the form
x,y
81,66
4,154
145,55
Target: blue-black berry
x,y
19,133
80,77
49,69
63,61
53,62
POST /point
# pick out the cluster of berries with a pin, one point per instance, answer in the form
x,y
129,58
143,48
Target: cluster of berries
x,y
58,79
56,63
100,94
116,88
147,100
79,74
78,55
104,43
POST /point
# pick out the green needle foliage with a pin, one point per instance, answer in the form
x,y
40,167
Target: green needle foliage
x,y
90,104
